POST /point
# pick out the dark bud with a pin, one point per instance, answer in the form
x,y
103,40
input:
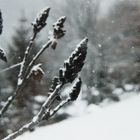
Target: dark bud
x,y
76,90
40,21
2,55
1,21
55,83
58,31
75,62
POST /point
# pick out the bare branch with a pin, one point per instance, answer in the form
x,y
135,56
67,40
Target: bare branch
x,y
11,67
52,41
37,26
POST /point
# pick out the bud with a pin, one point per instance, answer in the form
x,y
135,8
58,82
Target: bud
x,y
1,21
37,72
40,21
58,31
75,62
76,90
2,55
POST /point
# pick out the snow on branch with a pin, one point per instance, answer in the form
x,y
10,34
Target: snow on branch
x,y
40,22
45,112
50,43
38,25
10,68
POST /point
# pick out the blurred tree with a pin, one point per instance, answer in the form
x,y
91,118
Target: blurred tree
x,y
123,28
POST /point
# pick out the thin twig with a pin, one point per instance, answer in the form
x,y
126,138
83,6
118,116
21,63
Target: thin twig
x,y
63,103
44,47
20,81
11,67
39,24
23,64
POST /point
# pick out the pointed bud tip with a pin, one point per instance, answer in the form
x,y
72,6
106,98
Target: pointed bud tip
x,y
63,18
85,39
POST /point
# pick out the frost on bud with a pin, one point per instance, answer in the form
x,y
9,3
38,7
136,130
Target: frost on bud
x,y
58,31
75,63
37,72
75,90
1,21
40,21
2,55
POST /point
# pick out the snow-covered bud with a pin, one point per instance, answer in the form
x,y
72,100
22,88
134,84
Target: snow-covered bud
x,y
75,90
37,72
1,21
75,62
58,31
40,21
2,55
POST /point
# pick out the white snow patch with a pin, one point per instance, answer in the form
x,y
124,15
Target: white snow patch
x,y
40,98
19,81
129,87
94,91
118,91
120,121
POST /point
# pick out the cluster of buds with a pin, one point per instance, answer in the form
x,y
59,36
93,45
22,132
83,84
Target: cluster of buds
x,y
1,21
55,82
2,55
58,31
71,68
75,90
74,64
40,21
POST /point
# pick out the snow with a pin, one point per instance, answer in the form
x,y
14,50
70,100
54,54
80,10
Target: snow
x,y
19,81
120,121
40,99
38,68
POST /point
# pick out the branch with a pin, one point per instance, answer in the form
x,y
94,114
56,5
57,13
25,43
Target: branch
x,y
58,32
37,119
11,67
44,116
39,24
62,104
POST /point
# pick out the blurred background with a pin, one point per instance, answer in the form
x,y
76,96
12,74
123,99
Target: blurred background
x,y
112,68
